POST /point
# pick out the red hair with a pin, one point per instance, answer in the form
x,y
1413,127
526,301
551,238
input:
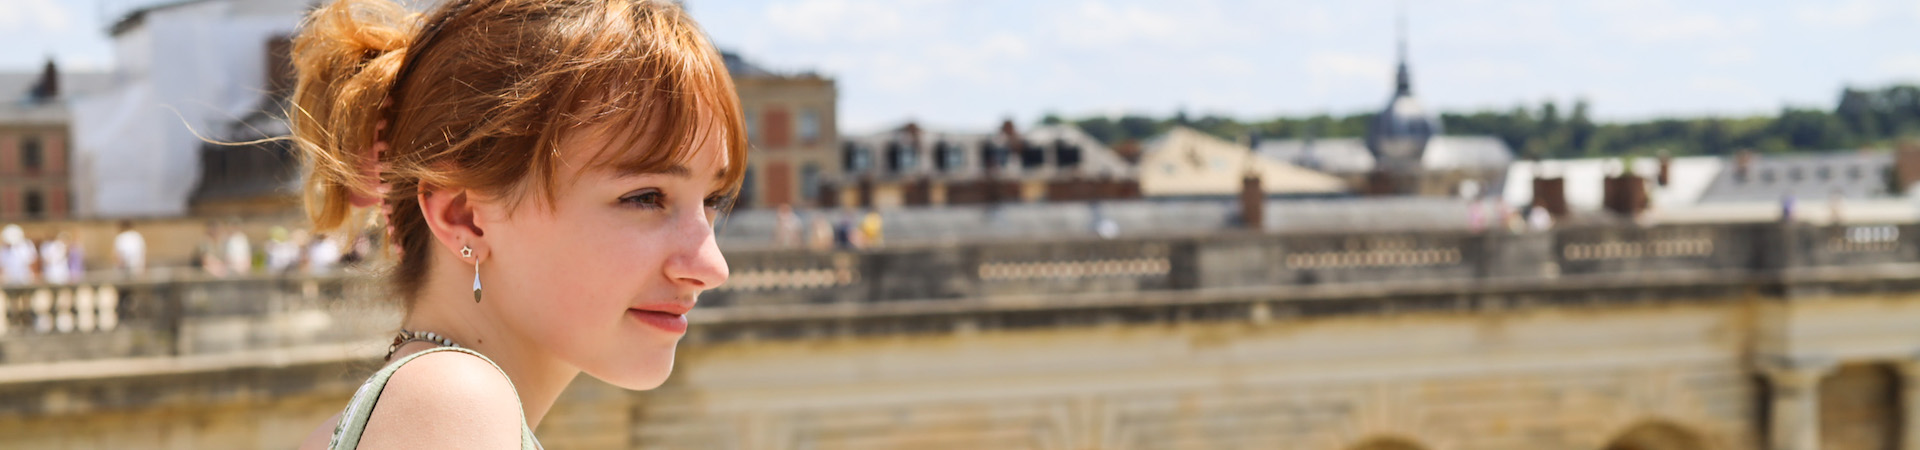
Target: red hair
x,y
477,95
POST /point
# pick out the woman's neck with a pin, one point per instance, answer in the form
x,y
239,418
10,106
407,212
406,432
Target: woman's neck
x,y
537,377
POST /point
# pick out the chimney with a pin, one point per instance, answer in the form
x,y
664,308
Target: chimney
x,y
1128,149
1625,194
48,86
1015,145
1906,166
1551,194
1253,202
1742,164
913,134
1666,167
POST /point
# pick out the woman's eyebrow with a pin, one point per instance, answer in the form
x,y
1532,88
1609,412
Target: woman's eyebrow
x,y
673,170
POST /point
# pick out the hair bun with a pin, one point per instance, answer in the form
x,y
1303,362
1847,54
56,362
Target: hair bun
x,y
345,58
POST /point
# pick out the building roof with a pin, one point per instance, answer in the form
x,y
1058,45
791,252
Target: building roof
x,y
1687,179
17,109
134,17
1336,155
1805,177
1350,155
738,66
1096,159
1466,152
1184,162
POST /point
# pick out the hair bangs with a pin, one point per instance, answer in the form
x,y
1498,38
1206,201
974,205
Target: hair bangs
x,y
657,87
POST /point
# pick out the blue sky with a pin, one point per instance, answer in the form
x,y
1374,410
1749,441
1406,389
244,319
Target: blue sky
x,y
969,63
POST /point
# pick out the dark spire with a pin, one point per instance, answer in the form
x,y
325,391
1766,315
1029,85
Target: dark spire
x,y
1403,84
48,86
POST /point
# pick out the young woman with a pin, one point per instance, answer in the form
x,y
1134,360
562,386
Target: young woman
x,y
550,172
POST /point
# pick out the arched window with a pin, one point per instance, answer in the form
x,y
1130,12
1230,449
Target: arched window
x,y
1656,435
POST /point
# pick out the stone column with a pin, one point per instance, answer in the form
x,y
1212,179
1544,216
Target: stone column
x,y
1794,385
1909,403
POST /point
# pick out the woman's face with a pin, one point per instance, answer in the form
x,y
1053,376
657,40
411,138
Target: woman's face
x,y
602,279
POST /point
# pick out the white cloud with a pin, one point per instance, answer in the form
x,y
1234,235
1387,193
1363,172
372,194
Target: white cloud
x,y
1657,29
1096,23
44,15
1903,65
1840,14
1327,69
830,20
1737,54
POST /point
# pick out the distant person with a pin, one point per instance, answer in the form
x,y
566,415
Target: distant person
x,y
1538,219
820,235
1103,226
53,260
843,237
282,252
208,255
17,256
323,255
872,233
76,256
129,251
1477,215
786,227
239,252
1786,208
1834,209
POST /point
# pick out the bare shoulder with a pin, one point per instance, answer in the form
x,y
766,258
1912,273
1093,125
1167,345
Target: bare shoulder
x,y
320,437
445,400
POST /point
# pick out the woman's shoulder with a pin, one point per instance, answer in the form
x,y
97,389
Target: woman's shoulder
x,y
445,399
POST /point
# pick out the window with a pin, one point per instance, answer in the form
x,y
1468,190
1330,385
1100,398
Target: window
x,y
1766,176
31,156
946,156
1032,155
778,127
992,157
1066,155
810,183
1793,174
1853,173
753,128
1824,173
36,206
900,158
809,126
854,158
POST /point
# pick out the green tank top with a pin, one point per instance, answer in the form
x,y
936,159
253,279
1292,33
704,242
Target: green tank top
x,y
353,421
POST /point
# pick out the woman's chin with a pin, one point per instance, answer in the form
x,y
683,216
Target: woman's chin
x,y
640,376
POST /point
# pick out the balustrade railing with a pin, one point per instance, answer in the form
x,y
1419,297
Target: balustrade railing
x,y
190,316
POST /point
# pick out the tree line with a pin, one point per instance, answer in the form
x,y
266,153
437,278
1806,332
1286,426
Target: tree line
x,y
1863,118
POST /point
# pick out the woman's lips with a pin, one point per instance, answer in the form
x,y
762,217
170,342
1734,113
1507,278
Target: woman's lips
x,y
665,321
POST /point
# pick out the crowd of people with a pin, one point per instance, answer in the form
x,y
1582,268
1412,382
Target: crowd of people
x,y
820,233
226,251
56,260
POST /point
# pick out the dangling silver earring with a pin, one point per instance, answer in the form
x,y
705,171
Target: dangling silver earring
x,y
467,252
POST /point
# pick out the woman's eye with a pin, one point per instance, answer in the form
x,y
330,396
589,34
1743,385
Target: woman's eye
x,y
719,202
648,199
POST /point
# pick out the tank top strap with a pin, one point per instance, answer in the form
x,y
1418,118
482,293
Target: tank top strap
x,y
353,421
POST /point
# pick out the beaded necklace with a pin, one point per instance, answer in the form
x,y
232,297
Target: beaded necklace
x,y
406,336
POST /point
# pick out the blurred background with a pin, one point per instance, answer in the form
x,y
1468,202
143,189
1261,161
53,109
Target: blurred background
x,y
1090,224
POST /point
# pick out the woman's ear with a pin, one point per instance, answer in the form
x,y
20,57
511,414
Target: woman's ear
x,y
451,214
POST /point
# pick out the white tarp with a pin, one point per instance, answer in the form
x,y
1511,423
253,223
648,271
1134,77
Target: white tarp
x,y
184,68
